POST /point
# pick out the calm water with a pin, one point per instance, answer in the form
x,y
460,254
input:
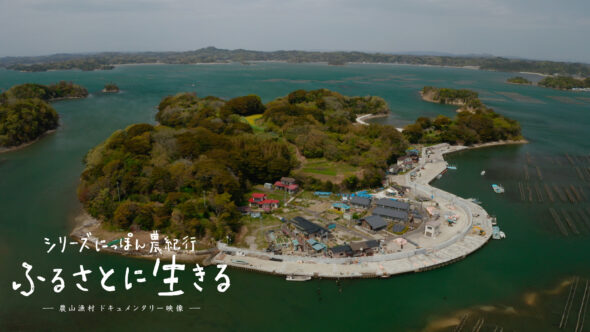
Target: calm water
x,y
38,199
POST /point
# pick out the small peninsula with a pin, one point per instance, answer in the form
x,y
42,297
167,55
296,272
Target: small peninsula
x,y
565,83
25,112
110,88
518,80
475,123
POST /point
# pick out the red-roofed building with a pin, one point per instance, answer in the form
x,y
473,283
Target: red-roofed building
x,y
287,184
260,201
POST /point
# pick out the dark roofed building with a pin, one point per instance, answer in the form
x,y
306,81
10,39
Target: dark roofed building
x,y
307,227
391,214
391,204
366,247
287,181
374,223
341,251
360,202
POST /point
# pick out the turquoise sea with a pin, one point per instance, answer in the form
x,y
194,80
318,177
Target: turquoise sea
x,y
38,200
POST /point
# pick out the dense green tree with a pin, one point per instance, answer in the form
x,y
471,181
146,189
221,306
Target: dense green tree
x,y
246,105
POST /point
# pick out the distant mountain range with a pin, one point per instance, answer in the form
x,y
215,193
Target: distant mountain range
x,y
106,60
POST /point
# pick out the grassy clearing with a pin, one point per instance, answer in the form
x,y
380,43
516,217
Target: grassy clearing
x,y
328,170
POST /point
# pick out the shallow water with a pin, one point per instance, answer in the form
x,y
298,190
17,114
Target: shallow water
x,y
38,199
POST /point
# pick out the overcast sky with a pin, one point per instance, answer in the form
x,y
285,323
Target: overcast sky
x,y
538,29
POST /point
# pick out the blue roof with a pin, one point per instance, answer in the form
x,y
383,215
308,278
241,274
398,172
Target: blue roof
x,y
295,242
331,226
318,246
322,193
341,206
312,242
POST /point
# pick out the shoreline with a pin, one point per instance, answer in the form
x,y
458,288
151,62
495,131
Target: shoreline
x,y
361,119
285,61
24,145
380,265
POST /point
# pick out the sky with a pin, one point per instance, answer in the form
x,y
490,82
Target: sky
x,y
534,29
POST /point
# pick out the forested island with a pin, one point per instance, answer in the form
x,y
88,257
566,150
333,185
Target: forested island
x,y
188,174
565,83
26,115
477,124
518,80
107,60
467,99
110,88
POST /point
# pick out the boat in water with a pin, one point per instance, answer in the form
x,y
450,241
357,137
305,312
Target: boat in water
x,y
452,167
483,173
497,234
297,278
498,188
474,200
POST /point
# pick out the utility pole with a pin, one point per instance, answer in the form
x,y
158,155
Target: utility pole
x,y
118,192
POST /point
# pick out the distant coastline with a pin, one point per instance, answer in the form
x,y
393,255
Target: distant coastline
x,y
212,55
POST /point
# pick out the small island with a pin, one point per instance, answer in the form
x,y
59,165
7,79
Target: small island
x,y
474,124
110,88
565,83
26,115
518,80
467,99
246,179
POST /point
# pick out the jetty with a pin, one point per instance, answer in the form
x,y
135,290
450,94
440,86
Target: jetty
x,y
453,244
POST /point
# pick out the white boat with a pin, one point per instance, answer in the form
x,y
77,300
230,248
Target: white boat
x,y
497,234
297,278
482,173
452,167
498,188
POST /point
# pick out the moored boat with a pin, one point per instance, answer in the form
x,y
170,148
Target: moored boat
x,y
294,277
474,200
497,234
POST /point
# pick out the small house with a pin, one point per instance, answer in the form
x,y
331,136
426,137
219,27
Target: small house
x,y
374,223
340,251
405,162
341,207
308,228
315,245
367,248
388,203
259,200
287,184
391,214
360,202
432,228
